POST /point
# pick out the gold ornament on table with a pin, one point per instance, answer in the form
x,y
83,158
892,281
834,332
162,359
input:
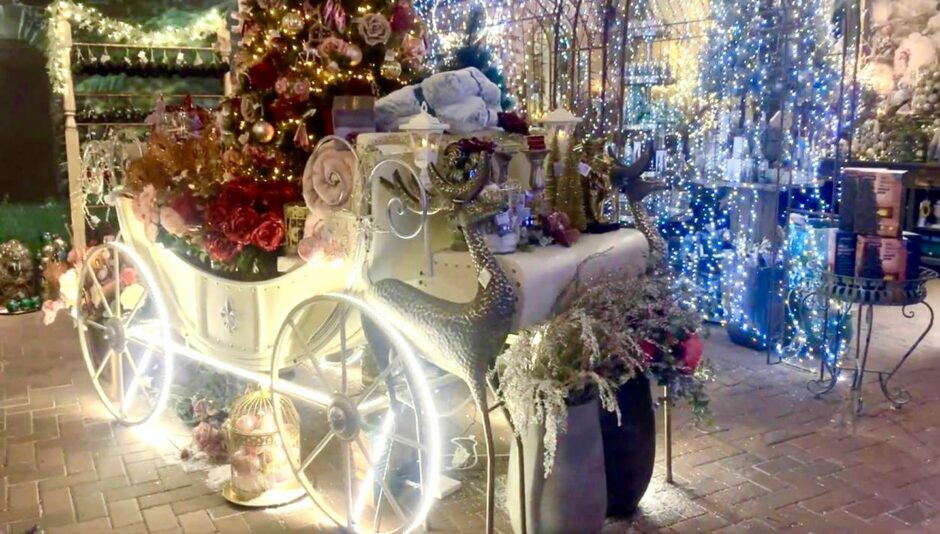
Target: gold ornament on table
x,y
17,272
262,132
261,471
569,191
598,191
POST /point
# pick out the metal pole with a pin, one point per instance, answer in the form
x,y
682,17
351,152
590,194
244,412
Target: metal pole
x,y
667,423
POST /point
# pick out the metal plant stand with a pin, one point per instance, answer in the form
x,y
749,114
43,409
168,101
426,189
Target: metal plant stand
x,y
865,294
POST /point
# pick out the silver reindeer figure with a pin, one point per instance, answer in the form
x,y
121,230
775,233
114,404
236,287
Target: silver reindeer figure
x,y
461,338
629,179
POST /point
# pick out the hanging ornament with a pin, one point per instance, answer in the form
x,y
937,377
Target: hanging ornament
x,y
391,68
292,23
301,138
262,132
354,54
251,107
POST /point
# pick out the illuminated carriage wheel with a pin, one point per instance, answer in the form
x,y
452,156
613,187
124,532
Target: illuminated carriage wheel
x,y
369,448
124,332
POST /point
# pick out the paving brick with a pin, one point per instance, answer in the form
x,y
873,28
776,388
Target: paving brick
x,y
79,462
124,513
235,524
197,503
916,513
89,506
144,471
85,527
160,518
56,501
197,522
109,467
871,507
23,496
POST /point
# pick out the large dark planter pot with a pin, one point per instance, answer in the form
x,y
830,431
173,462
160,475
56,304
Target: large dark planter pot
x,y
629,449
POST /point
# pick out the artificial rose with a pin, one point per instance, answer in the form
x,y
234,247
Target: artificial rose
x,y
270,232
414,49
241,224
513,123
650,351
329,177
402,17
172,221
690,352
145,208
474,145
274,195
301,90
221,248
374,29
240,192
188,207
331,47
217,215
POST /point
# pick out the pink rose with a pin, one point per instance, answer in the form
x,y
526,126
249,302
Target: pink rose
x,y
172,221
691,351
331,46
650,351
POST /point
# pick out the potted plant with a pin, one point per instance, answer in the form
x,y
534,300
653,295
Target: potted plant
x,y
549,383
657,340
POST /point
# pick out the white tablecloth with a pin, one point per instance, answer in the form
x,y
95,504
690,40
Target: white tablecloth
x,y
542,273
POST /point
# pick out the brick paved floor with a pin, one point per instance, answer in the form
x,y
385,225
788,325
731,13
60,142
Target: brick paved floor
x,y
777,460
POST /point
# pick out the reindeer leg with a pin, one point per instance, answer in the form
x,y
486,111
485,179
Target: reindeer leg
x,y
490,465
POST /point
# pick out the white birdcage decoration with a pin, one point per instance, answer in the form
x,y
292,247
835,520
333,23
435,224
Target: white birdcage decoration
x,y
261,470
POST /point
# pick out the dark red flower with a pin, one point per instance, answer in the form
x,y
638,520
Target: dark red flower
x,y
241,224
217,215
513,123
240,192
220,248
473,145
282,109
263,74
650,351
275,194
402,18
270,232
690,352
188,208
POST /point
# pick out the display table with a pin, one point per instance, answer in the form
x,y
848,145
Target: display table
x,y
542,273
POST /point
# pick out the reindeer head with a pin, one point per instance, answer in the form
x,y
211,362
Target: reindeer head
x,y
629,177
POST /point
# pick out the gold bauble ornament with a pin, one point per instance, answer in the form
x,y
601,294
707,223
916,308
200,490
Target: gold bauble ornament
x,y
262,132
292,23
391,68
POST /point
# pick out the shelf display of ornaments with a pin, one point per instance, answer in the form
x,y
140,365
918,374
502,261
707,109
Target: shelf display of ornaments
x,y
104,60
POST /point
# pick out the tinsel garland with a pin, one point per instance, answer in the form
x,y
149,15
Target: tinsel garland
x,y
114,31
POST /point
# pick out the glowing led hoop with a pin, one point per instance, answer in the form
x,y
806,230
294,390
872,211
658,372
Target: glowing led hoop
x,y
430,434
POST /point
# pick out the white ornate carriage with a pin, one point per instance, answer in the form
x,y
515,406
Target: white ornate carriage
x,y
370,446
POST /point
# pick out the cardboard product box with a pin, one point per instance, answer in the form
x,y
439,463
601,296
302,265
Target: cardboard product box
x,y
842,252
879,197
881,257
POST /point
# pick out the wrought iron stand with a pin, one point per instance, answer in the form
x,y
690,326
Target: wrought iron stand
x,y
865,294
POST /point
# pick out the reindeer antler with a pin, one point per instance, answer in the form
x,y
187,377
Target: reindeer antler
x,y
462,192
622,172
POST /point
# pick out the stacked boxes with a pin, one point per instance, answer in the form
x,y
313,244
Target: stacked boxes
x,y
868,243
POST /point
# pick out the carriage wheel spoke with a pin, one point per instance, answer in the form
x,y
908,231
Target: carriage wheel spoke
x,y
384,483
133,315
316,451
309,354
136,382
378,381
347,451
104,363
96,325
104,300
143,343
342,351
117,283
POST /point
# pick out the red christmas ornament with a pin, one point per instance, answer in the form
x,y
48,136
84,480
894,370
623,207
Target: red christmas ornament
x,y
402,17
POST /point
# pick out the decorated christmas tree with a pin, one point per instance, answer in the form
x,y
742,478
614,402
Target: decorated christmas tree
x,y
475,53
296,57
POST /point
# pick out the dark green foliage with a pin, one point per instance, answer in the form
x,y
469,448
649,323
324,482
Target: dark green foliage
x,y
28,222
475,53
